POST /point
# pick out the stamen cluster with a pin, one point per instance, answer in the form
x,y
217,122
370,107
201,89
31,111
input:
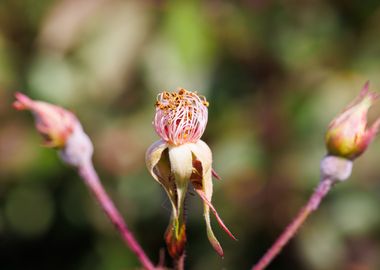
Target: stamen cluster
x,y
181,117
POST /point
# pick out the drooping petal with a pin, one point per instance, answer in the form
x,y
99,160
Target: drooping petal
x,y
202,182
202,153
181,168
153,156
157,162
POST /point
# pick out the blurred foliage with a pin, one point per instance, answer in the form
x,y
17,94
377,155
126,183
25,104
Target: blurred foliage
x,y
275,73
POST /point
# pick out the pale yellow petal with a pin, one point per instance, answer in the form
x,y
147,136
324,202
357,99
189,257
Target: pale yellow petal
x,y
202,152
157,161
153,156
181,167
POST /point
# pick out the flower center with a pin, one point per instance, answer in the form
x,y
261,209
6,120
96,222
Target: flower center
x,y
181,116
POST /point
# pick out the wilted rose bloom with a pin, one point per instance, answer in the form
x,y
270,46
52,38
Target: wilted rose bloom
x,y
60,129
180,158
348,135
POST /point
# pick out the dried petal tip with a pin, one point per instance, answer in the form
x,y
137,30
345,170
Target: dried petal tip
x,y
215,175
348,135
22,102
54,123
181,117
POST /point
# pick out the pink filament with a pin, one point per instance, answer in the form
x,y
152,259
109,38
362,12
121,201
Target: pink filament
x,y
181,117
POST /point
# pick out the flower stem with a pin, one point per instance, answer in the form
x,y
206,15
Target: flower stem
x,y
179,263
91,178
312,205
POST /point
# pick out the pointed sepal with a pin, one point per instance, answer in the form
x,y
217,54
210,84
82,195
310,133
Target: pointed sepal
x,y
202,183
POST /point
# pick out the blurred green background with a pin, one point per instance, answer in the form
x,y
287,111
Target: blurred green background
x,y
275,74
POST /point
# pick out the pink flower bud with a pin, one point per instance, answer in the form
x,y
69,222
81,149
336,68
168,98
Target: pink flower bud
x,y
54,123
181,117
60,129
348,135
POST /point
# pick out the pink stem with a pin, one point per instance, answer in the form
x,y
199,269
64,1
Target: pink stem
x,y
179,263
312,205
90,177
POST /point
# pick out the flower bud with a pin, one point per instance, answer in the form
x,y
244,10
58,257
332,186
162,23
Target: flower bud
x,y
60,129
348,135
54,123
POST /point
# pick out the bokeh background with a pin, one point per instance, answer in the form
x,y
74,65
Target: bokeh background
x,y
275,74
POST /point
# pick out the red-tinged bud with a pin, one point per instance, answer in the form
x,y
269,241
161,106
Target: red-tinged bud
x,y
348,135
54,123
176,241
60,129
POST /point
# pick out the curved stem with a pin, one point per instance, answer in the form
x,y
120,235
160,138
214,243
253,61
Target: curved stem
x,y
312,205
91,178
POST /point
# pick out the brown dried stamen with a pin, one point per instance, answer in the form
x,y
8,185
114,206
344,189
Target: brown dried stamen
x,y
172,100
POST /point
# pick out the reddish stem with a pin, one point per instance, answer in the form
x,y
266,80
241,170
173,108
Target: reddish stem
x,y
90,177
179,263
312,205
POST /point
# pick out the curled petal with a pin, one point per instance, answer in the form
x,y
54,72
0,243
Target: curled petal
x,y
153,156
157,162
